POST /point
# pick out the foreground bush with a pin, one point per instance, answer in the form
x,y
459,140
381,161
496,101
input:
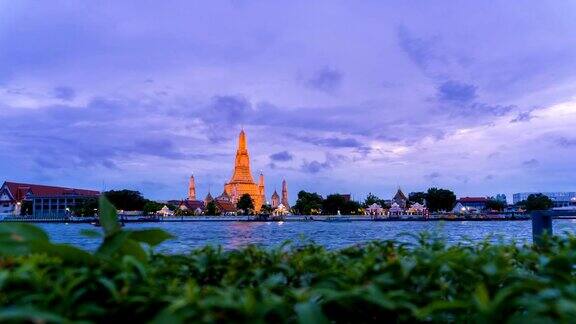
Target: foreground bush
x,y
379,282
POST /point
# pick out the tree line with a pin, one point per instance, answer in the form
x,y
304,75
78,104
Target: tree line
x,y
308,203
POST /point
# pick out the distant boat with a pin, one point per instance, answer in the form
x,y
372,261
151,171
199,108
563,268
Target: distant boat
x,y
338,219
97,224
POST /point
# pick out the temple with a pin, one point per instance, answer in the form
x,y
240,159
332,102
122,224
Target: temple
x,y
242,182
285,195
191,188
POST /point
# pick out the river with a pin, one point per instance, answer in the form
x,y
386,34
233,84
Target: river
x,y
231,235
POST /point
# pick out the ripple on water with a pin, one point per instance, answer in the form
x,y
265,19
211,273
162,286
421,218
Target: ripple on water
x,y
233,235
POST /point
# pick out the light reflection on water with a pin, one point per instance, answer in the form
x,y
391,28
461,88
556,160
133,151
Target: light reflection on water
x,y
232,235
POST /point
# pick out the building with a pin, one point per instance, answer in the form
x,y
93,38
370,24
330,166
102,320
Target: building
x,y
374,209
45,201
285,195
400,199
275,199
222,203
560,199
241,181
191,188
472,203
192,206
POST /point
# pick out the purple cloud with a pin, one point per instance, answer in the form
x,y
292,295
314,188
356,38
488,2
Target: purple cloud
x,y
64,93
282,156
107,99
326,80
457,92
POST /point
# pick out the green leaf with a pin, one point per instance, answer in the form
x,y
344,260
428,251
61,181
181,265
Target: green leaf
x,y
133,248
108,217
63,251
310,313
112,243
29,314
21,232
152,236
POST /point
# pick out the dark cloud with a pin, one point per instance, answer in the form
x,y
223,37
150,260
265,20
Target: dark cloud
x,y
522,117
314,166
456,92
419,50
230,109
282,156
64,93
335,142
433,176
162,147
326,80
530,163
566,142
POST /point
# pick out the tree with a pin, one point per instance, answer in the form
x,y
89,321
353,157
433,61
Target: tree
x,y
417,197
246,204
494,204
440,199
308,203
373,199
126,199
87,207
266,209
334,203
212,209
538,202
151,207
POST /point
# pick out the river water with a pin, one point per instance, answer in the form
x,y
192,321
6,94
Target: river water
x,y
231,235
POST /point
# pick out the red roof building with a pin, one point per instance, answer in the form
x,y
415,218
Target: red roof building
x,y
476,203
47,200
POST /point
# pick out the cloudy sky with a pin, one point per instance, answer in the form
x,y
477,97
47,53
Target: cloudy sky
x,y
335,96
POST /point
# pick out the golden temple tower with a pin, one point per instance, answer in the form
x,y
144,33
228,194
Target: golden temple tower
x,y
191,189
242,181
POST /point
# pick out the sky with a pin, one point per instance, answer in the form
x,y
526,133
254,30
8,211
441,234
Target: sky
x,y
335,96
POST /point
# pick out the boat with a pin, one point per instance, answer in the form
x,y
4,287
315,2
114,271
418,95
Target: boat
x,y
338,219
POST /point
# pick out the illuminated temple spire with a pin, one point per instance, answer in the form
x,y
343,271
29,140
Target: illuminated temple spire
x,y
191,189
242,171
242,181
285,194
261,189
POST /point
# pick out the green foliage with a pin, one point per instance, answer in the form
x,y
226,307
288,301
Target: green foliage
x,y
537,202
440,199
126,199
266,209
151,207
371,199
246,204
494,204
379,282
308,203
417,197
212,209
334,203
87,207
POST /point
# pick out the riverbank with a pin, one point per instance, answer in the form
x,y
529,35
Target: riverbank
x,y
290,218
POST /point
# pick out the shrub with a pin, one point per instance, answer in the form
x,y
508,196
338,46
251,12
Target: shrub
x,y
428,281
